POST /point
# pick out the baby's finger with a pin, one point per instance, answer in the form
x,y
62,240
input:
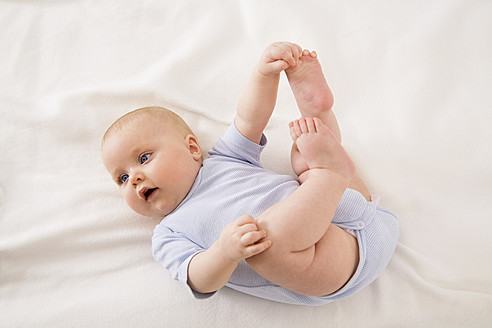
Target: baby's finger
x,y
285,53
245,228
297,50
242,220
294,49
280,65
252,237
256,249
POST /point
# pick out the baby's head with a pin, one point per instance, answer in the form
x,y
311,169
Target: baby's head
x,y
154,157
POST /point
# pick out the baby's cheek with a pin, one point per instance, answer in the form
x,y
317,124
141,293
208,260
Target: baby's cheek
x,y
132,202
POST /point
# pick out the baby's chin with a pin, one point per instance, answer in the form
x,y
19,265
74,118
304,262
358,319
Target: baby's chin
x,y
155,215
154,209
151,214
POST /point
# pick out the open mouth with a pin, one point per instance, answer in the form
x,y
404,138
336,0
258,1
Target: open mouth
x,y
149,193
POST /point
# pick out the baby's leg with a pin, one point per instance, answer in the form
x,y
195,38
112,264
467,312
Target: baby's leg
x,y
315,99
309,255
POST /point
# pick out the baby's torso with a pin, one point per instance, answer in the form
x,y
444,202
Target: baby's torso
x,y
224,190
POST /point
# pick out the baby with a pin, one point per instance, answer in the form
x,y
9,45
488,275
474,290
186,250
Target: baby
x,y
230,222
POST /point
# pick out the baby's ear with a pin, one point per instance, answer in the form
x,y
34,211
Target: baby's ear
x,y
194,147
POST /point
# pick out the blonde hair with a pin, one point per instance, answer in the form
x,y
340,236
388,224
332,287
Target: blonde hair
x,y
159,113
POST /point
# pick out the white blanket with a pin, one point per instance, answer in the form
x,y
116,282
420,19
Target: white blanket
x,y
412,84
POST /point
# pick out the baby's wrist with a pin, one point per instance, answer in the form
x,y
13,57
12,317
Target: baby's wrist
x,y
263,72
222,252
320,172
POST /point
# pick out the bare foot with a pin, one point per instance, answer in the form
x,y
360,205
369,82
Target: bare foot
x,y
319,148
312,93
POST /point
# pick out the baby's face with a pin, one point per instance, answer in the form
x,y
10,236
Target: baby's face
x,y
154,165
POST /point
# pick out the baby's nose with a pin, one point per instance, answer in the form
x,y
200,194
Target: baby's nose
x,y
137,177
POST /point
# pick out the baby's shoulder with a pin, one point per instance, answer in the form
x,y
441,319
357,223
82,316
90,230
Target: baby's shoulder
x,y
233,146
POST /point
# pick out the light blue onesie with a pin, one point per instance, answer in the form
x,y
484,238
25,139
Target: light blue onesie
x,y
232,183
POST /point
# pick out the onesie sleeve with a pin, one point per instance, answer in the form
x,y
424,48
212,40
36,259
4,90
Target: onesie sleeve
x,y
174,251
234,145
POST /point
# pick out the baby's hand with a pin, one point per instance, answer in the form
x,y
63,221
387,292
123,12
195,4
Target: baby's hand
x,y
240,239
278,57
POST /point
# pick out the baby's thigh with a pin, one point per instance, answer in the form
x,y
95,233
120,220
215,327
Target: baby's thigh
x,y
358,184
319,270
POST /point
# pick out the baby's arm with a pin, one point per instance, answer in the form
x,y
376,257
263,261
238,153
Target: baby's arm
x,y
210,270
258,100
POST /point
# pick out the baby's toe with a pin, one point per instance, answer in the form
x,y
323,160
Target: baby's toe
x,y
303,125
295,129
292,131
310,125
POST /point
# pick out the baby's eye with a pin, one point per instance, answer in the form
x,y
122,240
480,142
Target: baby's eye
x,y
144,158
123,178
